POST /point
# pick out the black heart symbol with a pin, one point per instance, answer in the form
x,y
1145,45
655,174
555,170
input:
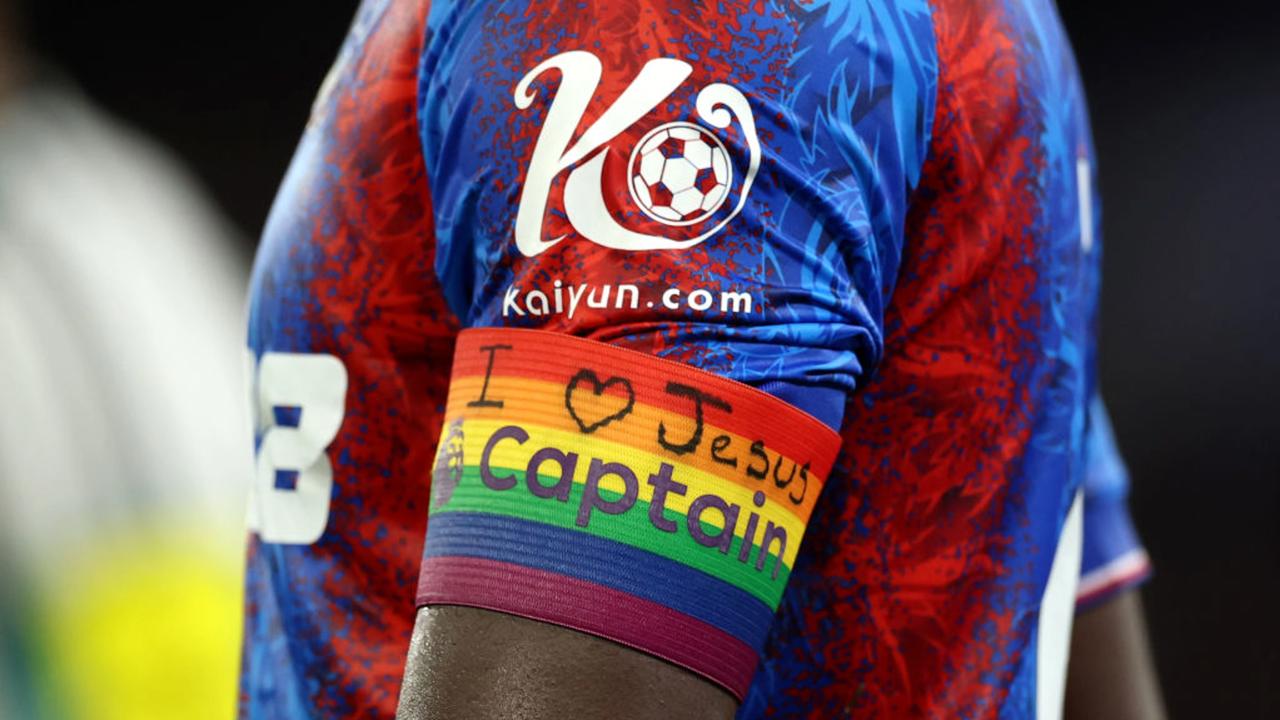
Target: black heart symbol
x,y
597,389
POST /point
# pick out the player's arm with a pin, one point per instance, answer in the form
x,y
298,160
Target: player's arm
x,y
472,663
611,530
1111,675
646,512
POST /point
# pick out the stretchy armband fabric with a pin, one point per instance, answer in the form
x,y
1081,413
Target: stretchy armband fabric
x,y
619,494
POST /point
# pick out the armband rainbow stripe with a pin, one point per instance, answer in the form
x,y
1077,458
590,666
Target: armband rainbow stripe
x,y
619,494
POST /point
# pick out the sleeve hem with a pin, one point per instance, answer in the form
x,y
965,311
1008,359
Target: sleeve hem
x,y
1126,571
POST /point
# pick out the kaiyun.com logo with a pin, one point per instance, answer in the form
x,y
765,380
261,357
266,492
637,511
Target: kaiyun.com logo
x,y
679,173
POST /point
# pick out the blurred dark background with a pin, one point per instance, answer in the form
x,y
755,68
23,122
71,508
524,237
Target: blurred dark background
x,y
1186,108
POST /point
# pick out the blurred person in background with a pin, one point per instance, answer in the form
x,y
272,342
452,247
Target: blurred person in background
x,y
122,458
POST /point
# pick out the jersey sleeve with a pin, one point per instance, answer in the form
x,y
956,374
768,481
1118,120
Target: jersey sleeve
x,y
722,186
671,230
1113,557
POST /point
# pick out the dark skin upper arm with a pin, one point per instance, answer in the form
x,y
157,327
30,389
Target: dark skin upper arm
x,y
470,663
1111,675
477,664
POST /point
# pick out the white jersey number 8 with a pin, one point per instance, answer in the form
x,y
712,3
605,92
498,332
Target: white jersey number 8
x,y
298,406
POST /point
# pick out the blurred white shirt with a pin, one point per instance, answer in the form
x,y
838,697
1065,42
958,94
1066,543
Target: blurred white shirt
x,y
122,401
121,298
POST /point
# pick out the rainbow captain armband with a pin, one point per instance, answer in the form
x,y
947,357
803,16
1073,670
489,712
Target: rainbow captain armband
x,y
612,492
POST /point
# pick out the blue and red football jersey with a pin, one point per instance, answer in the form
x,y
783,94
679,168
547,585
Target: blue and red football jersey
x,y
881,213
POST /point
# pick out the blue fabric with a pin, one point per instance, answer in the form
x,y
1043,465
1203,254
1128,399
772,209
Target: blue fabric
x,y
1108,530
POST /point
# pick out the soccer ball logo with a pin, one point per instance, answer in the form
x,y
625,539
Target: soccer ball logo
x,y
680,174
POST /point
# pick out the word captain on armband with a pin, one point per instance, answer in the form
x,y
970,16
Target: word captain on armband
x,y
633,452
